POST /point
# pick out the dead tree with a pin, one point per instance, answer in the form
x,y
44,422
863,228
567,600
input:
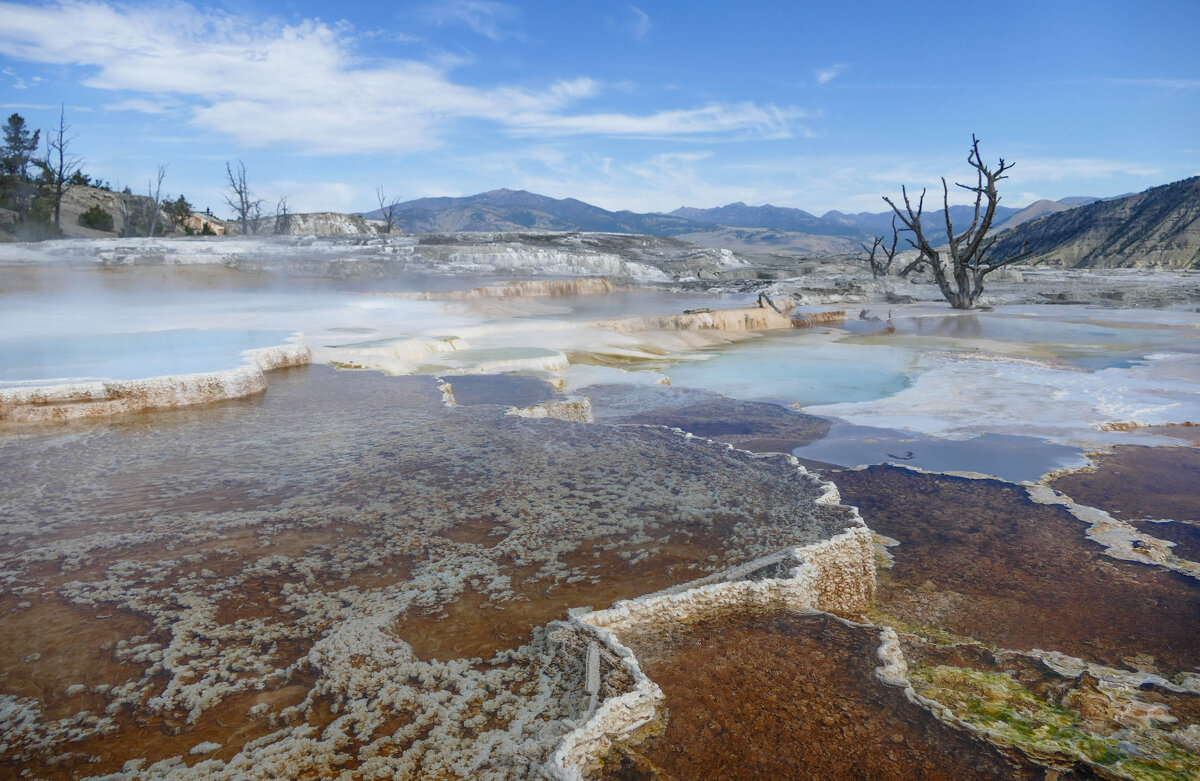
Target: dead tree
x,y
154,192
880,266
247,210
387,209
60,164
764,297
960,267
283,217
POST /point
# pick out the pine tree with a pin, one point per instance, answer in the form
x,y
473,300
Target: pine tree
x,y
16,187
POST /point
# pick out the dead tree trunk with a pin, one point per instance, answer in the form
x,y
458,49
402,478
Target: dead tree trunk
x,y
247,210
764,297
154,192
960,267
880,266
283,217
60,164
387,209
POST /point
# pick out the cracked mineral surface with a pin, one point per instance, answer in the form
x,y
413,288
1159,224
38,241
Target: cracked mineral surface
x,y
344,573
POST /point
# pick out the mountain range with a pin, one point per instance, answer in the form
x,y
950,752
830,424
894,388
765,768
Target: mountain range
x,y
1158,227
777,227
505,210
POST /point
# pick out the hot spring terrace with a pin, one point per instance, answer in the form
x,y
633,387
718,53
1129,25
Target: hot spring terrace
x,y
427,564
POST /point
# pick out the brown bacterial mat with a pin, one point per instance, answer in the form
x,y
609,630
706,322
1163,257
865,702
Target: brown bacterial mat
x,y
787,695
1135,482
977,558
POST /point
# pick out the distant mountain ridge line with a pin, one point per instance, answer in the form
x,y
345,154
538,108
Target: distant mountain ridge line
x,y
506,209
1159,227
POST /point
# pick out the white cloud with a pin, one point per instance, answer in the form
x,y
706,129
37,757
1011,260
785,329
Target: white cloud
x,y
303,86
742,119
826,75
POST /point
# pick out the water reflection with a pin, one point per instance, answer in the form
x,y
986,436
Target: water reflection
x,y
1009,457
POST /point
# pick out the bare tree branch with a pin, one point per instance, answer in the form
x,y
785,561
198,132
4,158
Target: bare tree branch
x,y
60,164
387,208
155,194
247,210
879,267
960,277
283,218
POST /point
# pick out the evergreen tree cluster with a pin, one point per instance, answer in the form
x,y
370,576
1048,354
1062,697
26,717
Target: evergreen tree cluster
x,y
18,187
32,187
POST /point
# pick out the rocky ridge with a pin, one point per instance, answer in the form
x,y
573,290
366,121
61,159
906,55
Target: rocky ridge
x,y
1158,228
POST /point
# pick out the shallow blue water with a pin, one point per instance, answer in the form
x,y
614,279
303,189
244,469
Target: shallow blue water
x,y
791,371
1089,339
1005,456
126,356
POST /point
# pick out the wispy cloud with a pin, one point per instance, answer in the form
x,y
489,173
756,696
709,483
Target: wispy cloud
x,y
144,106
305,87
486,17
826,75
28,106
1056,169
1159,83
18,82
738,121
639,26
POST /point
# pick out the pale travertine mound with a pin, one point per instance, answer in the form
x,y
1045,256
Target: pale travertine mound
x,y
113,397
575,410
99,399
530,288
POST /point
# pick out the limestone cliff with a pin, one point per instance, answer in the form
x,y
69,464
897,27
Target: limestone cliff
x,y
1158,228
318,223
122,207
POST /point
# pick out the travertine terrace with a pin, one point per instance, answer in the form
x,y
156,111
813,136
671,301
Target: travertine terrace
x,y
298,583
115,397
465,574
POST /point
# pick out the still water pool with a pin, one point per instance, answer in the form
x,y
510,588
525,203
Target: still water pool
x,y
126,356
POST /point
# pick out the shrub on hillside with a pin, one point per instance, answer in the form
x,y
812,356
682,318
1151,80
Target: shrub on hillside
x,y
96,219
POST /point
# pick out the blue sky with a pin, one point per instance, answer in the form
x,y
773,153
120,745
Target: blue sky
x,y
646,106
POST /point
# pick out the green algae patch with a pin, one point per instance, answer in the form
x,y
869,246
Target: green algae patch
x,y
1008,713
930,634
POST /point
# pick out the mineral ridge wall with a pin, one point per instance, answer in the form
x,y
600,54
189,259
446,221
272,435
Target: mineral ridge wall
x,y
837,574
78,401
